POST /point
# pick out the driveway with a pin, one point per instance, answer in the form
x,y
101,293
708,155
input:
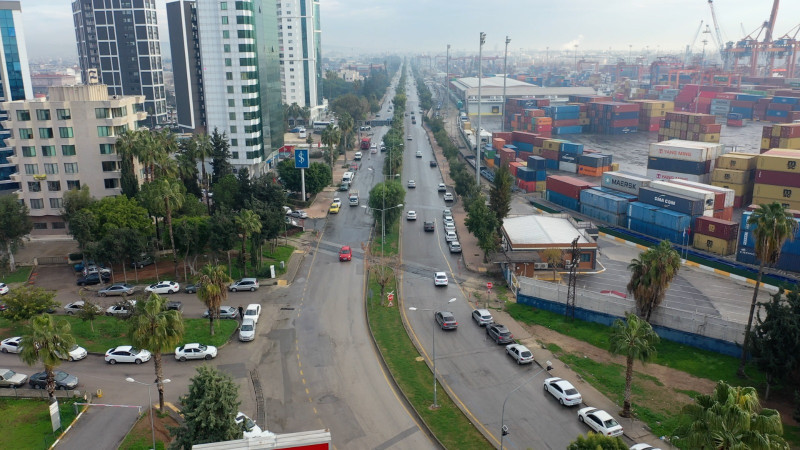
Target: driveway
x,y
100,427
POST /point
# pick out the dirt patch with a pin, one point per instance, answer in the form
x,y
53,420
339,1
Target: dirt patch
x,y
142,432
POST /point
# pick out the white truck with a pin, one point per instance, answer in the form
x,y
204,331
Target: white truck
x,y
353,197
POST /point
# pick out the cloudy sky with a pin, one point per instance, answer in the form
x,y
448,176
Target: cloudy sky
x,y
356,26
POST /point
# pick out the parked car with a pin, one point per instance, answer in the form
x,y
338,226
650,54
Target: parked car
x,y
63,380
345,253
192,288
164,287
428,225
247,331
74,307
446,212
643,447
449,226
245,284
116,289
482,317
76,353
440,279
93,278
600,421
3,289
124,308
127,354
519,353
253,311
449,219
442,187
175,305
225,312
195,351
95,269
499,333
448,197
454,246
446,320
11,345
409,137
9,378
299,214
450,236
142,262
411,215
563,391
433,163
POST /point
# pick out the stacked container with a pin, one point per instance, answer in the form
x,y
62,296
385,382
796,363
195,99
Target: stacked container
x,y
568,156
566,191
659,222
594,164
624,182
783,109
706,197
687,160
736,171
723,197
689,126
532,177
606,205
780,136
790,252
613,117
714,235
651,112
778,178
566,119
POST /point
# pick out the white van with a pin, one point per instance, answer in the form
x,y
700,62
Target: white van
x,y
348,176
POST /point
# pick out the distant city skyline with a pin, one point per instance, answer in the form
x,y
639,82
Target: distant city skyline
x,y
361,26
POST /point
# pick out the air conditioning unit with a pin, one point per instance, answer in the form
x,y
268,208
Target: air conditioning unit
x,y
540,265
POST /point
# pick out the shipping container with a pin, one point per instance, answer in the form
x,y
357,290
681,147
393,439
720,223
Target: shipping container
x,y
568,157
777,192
722,229
619,220
732,176
568,186
679,166
776,178
567,167
672,220
642,211
616,193
786,203
707,197
780,160
562,200
673,202
686,150
664,175
714,244
723,197
625,182
607,202
537,163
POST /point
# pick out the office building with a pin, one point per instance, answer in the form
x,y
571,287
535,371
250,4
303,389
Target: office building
x,y
67,141
187,67
15,82
118,46
299,36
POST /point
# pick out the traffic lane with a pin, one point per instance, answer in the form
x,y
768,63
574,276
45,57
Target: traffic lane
x,y
100,427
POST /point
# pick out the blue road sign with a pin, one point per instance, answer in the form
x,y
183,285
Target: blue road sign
x,y
300,159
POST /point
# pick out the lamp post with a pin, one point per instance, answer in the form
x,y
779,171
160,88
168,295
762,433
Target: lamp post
x,y
433,359
503,429
478,131
150,398
505,77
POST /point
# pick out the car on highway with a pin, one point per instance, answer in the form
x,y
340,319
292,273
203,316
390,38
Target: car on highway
x,y
411,215
440,279
11,345
345,253
454,247
643,447
335,206
563,391
429,225
195,351
375,150
225,312
299,214
74,307
358,155
499,333
9,378
482,317
62,379
164,287
247,331
93,278
412,184
247,425
600,421
127,354
253,311
419,154
124,308
446,320
450,236
519,353
441,187
409,137
448,197
75,353
447,212
116,289
245,284
3,289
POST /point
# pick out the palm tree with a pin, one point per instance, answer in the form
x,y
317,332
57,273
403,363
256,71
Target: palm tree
x,y
165,145
330,137
773,226
635,339
651,275
730,418
213,290
170,191
247,222
154,328
45,341
346,125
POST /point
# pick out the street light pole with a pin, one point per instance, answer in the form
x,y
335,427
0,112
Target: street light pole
x,y
150,398
478,131
433,358
503,430
505,77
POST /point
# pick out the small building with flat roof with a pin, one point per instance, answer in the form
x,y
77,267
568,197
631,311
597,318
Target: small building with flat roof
x,y
466,89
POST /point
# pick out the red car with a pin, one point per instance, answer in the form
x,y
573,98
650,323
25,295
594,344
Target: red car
x,y
345,254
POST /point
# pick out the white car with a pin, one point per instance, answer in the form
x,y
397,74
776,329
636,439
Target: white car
x,y
446,212
76,353
247,331
449,226
253,311
450,236
121,308
74,307
482,317
419,154
454,246
442,188
411,215
643,447
163,287
600,421
448,197
449,219
358,155
563,391
11,345
3,289
412,184
248,426
440,279
519,353
127,354
195,351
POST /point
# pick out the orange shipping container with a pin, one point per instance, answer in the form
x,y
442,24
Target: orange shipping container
x,y
593,171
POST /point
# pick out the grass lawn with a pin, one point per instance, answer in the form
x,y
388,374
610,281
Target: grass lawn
x,y
18,276
281,253
111,331
26,422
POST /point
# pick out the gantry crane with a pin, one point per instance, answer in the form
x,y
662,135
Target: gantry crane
x,y
691,44
720,42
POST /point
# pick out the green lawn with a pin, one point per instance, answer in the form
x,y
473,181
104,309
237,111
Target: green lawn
x,y
26,422
18,276
111,331
281,253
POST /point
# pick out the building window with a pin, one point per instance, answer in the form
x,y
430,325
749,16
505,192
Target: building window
x,y
226,48
122,111
26,133
43,114
70,167
65,132
56,203
103,131
48,150
63,114
231,103
226,34
23,115
31,169
232,116
73,184
586,257
50,168
224,20
106,149
111,183
59,225
228,62
28,150
233,129
109,166
234,155
230,89
68,150
39,225
46,133
54,186
101,113
37,203
223,6
234,143
228,76
34,186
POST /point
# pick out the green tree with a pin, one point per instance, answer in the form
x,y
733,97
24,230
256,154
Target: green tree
x,y
90,310
386,195
220,156
82,225
75,200
290,177
595,441
223,231
247,222
14,225
346,125
728,419
191,237
775,340
244,190
154,328
119,212
127,147
45,340
317,177
482,223
186,163
651,275
25,302
204,149
172,194
226,191
773,226
213,290
357,107
635,339
209,410
330,137
500,194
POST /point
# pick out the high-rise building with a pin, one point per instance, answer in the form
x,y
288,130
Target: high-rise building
x,y
239,76
187,67
118,45
15,82
299,37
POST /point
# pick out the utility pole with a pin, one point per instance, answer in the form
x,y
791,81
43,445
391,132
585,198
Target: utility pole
x,y
478,131
573,278
505,77
447,75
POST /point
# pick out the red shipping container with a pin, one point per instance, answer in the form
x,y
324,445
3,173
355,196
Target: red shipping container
x,y
742,104
708,94
718,228
521,136
550,154
774,142
711,128
790,131
506,136
569,186
766,132
776,178
497,144
524,156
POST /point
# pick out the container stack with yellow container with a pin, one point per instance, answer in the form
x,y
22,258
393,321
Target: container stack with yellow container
x,y
780,136
714,235
689,127
736,171
778,178
651,112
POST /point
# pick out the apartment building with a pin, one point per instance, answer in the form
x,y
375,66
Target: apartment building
x,y
300,39
67,141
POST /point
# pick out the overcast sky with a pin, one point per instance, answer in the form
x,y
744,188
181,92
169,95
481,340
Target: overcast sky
x,y
356,26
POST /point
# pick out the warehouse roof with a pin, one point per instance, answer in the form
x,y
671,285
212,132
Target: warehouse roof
x,y
531,231
514,88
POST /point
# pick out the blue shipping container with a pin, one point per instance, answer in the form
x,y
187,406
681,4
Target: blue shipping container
x,y
593,160
748,97
526,174
746,113
776,113
606,202
541,175
566,116
511,147
523,146
678,165
619,220
577,129
616,193
673,202
746,256
642,212
789,100
572,148
552,164
563,200
537,163
673,220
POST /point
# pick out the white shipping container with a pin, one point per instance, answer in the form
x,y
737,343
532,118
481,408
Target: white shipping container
x,y
567,167
624,181
686,150
662,175
687,191
729,193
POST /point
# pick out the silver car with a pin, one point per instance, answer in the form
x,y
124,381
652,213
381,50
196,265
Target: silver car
x,y
225,312
482,317
116,289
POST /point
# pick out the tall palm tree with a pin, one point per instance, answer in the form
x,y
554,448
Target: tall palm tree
x,y
651,275
247,223
773,226
635,339
730,418
171,193
213,290
127,147
165,145
154,328
45,340
330,137
346,125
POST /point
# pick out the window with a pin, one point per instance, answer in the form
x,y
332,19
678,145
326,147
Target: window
x,y
68,150
59,225
48,150
54,186
103,131
111,183
226,48
230,89
26,133
73,184
233,129
39,225
223,6
224,20
50,168
43,114
109,166
31,169
70,167
46,133
23,115
34,186
101,113
63,114
226,34
28,150
586,257
37,203
228,62
232,116
65,132
106,149
122,111
56,203
231,103
234,155
228,76
234,143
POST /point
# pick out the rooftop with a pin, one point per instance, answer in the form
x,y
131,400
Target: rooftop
x,y
542,230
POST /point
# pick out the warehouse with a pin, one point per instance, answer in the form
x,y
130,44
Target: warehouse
x,y
525,238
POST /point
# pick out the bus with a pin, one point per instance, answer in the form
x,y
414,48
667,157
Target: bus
x,y
321,125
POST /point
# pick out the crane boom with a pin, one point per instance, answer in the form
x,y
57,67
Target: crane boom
x,y
691,44
718,33
771,24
